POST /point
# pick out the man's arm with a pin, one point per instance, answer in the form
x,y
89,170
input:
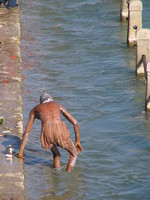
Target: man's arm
x,y
26,133
76,127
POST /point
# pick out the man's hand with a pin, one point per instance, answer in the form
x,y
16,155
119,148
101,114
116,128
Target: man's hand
x,y
20,156
78,147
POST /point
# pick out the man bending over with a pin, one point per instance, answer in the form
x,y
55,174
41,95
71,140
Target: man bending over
x,y
54,132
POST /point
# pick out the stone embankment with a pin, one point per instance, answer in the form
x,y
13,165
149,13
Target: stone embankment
x,y
11,169
131,10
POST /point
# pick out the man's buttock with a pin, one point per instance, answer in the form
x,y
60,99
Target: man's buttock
x,y
54,133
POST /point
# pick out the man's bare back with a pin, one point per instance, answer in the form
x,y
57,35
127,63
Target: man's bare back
x,y
48,112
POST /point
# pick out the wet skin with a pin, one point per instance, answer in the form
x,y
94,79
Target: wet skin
x,y
50,112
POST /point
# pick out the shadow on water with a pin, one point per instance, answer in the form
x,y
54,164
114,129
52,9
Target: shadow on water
x,y
13,140
33,158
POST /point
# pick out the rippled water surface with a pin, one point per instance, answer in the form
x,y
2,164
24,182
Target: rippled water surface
x,y
77,51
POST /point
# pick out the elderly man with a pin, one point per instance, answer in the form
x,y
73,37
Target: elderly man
x,y
54,132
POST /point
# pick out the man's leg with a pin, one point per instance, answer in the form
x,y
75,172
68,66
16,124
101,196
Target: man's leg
x,y
56,156
73,155
71,163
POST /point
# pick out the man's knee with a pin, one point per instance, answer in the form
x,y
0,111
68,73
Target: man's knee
x,y
71,149
55,151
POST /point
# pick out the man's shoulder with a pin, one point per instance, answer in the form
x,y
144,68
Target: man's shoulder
x,y
52,104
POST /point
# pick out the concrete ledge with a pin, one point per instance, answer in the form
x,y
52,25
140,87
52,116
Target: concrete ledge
x,y
135,20
124,10
11,169
143,34
143,47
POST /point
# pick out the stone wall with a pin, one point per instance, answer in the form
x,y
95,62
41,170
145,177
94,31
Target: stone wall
x,y
11,169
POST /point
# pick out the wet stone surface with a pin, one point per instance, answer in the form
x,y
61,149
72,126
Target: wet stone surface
x,y
11,169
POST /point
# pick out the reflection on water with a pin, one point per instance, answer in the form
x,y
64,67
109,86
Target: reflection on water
x,y
77,51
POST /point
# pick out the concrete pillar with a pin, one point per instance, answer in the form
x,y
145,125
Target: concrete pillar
x,y
124,10
134,21
147,97
143,48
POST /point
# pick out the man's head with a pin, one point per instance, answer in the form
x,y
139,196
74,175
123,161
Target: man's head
x,y
44,98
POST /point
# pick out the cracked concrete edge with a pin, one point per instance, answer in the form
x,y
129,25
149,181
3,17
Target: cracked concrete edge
x,y
12,169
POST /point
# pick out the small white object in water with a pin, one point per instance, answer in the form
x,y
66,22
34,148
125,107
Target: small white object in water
x,y
8,155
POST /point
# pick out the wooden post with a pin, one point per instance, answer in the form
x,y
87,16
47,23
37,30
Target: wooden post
x,y
147,97
124,10
134,21
143,48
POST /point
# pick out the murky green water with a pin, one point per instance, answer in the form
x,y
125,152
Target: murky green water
x,y
77,51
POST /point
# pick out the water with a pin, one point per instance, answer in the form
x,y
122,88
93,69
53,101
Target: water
x,y
77,51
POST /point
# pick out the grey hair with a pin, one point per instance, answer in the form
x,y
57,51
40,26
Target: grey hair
x,y
45,97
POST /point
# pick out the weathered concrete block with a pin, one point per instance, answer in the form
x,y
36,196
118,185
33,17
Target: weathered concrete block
x,y
143,55
134,21
11,170
143,48
124,10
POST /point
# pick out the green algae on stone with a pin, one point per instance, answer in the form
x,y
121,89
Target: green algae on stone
x,y
1,120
